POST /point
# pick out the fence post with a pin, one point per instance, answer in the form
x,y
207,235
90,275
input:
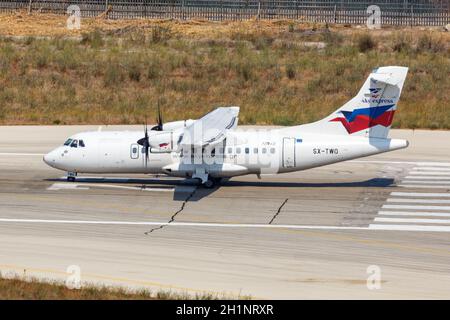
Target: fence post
x,y
334,13
29,6
182,10
258,15
412,15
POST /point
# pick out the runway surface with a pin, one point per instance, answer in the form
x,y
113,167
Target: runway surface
x,y
320,233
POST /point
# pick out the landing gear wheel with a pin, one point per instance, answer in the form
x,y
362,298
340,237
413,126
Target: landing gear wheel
x,y
209,184
71,176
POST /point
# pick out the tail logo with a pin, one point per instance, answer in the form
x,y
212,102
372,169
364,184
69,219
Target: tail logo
x,y
374,92
360,119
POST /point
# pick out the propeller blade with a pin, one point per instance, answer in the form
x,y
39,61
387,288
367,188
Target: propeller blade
x,y
160,120
145,143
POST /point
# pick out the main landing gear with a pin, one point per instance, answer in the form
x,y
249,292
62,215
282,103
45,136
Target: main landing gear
x,y
204,178
71,176
211,182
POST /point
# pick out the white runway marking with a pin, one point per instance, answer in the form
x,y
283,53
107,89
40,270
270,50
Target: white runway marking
x,y
21,154
66,186
413,213
229,225
149,176
428,177
413,220
421,163
430,169
437,201
127,188
420,194
423,186
396,227
436,176
415,207
181,224
86,186
426,182
429,173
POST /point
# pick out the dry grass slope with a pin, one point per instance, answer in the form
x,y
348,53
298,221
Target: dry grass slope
x,y
278,72
34,289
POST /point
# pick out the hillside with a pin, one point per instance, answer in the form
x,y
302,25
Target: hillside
x,y
279,72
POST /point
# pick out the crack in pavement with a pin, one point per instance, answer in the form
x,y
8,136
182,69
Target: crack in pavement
x,y
279,210
172,218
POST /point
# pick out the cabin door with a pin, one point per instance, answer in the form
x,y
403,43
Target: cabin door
x,y
288,152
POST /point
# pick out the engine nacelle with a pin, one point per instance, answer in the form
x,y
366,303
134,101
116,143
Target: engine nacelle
x,y
163,141
174,125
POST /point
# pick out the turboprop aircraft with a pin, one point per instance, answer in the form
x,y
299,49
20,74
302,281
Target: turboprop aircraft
x,y
212,148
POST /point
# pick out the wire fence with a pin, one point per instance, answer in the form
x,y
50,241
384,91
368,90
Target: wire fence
x,y
393,12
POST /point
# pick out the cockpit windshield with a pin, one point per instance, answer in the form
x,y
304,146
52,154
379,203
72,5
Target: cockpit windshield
x,y
74,143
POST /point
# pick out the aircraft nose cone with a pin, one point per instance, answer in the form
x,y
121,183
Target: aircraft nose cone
x,y
50,159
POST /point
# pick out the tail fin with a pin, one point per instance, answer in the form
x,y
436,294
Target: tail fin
x,y
371,111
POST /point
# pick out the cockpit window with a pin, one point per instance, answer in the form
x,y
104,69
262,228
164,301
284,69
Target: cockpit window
x,y
74,144
68,142
81,144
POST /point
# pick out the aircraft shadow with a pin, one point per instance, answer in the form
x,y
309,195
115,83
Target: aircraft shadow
x,y
138,181
375,182
188,190
184,189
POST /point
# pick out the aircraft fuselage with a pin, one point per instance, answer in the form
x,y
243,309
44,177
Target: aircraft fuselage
x,y
242,152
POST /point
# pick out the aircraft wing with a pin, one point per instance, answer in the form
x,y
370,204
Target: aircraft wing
x,y
211,128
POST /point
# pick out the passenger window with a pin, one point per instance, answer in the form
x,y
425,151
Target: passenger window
x,y
247,150
81,144
272,150
230,150
68,142
255,150
238,150
74,144
135,150
264,150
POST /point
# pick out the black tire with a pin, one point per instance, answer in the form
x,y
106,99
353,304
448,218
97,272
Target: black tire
x,y
71,179
209,184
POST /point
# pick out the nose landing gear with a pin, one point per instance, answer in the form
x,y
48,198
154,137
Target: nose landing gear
x,y
71,176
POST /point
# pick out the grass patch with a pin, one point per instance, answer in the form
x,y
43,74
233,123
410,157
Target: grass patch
x,y
33,289
118,75
365,42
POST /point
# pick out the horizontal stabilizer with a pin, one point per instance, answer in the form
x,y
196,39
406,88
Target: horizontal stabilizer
x,y
387,78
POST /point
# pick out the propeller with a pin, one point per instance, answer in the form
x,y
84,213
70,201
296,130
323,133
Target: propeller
x,y
159,126
145,143
145,140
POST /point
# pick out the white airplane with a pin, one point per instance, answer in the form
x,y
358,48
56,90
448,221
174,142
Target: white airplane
x,y
212,148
